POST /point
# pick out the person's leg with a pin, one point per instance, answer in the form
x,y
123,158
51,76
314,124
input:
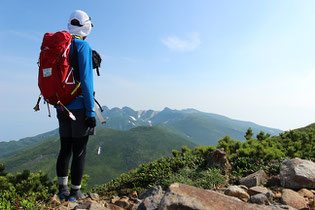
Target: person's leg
x,y
78,160
80,139
65,152
62,165
78,165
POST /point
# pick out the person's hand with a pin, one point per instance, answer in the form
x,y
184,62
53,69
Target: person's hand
x,y
90,122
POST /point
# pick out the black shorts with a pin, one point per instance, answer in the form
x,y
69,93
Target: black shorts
x,y
69,128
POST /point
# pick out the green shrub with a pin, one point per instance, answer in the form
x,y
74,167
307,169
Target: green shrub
x,y
151,174
199,177
25,190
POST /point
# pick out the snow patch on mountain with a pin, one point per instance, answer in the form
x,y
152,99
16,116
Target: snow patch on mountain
x,y
133,118
140,113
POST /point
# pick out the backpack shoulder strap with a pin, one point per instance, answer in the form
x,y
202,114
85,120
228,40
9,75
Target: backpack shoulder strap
x,y
74,61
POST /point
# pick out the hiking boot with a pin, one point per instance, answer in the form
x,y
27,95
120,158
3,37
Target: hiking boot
x,y
63,192
75,195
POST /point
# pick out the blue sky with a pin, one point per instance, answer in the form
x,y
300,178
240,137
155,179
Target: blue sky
x,y
248,60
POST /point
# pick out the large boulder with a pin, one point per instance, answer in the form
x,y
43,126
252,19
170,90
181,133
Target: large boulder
x,y
294,199
151,198
255,179
180,196
297,173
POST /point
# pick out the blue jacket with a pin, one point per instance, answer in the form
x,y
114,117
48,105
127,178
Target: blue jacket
x,y
86,76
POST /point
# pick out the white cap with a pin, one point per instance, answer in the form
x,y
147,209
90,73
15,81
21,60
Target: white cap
x,y
79,23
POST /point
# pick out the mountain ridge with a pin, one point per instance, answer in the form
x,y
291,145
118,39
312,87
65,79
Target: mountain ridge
x,y
182,122
198,127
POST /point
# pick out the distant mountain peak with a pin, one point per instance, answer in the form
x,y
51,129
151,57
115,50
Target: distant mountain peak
x,y
166,109
190,110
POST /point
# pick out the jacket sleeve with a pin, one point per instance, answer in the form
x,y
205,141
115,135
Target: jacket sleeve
x,y
86,76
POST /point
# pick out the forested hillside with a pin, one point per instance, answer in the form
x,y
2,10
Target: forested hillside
x,y
109,153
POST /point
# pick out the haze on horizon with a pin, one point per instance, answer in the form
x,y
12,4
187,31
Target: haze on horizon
x,y
247,60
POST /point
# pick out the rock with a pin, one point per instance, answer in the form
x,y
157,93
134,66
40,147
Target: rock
x,y
297,173
306,193
309,196
218,158
63,208
114,207
259,198
278,195
281,206
94,196
84,205
260,189
103,202
273,181
72,205
114,199
151,198
88,201
54,200
243,187
123,202
180,196
133,196
292,198
255,179
238,192
152,191
97,206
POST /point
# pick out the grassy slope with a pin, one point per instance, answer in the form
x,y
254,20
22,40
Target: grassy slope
x,y
14,147
120,152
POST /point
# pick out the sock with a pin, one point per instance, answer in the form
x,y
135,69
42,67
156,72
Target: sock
x,y
63,185
63,180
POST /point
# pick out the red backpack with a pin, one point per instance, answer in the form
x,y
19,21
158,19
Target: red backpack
x,y
55,78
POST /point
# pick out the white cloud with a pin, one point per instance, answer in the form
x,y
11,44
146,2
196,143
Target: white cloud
x,y
177,44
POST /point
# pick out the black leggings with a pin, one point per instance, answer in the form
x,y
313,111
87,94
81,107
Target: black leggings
x,y
77,146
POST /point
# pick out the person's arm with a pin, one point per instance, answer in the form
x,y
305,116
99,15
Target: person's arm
x,y
86,76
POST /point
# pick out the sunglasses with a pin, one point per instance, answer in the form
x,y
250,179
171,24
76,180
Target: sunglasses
x,y
76,22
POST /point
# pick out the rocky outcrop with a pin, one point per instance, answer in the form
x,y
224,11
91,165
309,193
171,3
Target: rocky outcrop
x,y
180,196
218,159
297,173
151,198
255,179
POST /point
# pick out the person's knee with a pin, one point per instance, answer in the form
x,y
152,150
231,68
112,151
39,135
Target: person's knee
x,y
79,147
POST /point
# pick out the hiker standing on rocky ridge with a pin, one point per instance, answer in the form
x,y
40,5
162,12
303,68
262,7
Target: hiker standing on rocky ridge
x,y
74,134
